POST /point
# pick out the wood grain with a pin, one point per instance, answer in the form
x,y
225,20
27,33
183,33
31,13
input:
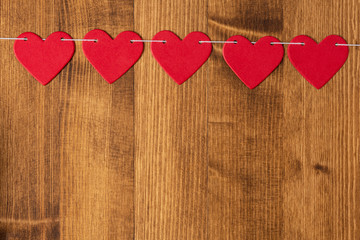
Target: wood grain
x,y
171,129
69,164
245,131
144,158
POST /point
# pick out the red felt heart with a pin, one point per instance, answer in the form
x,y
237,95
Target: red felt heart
x,y
252,63
318,63
112,58
181,58
44,59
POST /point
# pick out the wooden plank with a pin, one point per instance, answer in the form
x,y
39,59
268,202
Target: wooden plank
x,y
29,158
67,147
245,131
214,160
323,202
170,123
282,156
98,132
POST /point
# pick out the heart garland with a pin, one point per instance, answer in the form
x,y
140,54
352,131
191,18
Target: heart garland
x,y
252,63
180,59
112,58
44,59
318,63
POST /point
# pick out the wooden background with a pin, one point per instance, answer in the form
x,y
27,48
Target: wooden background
x,y
144,158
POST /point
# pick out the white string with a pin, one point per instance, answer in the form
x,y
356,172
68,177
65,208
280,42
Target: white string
x,y
235,42
24,39
79,40
349,45
63,39
164,41
288,43
159,41
217,42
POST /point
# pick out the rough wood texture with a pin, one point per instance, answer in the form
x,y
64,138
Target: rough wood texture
x,y
67,168
144,158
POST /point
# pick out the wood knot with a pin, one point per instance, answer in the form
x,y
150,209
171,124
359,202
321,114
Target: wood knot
x,y
321,169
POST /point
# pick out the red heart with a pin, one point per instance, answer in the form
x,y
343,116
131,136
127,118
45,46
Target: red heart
x,y
112,58
181,58
318,63
252,63
44,59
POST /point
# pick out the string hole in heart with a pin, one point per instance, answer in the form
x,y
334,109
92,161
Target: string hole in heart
x,y
131,41
25,39
164,41
235,42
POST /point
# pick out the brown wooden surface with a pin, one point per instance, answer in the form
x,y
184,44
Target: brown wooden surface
x,y
144,158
